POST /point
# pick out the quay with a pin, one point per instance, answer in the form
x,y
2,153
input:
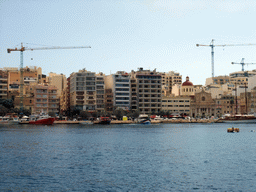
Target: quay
x,y
152,121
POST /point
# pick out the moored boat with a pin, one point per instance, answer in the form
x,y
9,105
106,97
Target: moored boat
x,y
5,120
104,120
41,119
239,118
14,120
144,119
24,120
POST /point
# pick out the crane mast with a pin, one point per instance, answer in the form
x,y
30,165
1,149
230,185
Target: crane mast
x,y
212,50
22,49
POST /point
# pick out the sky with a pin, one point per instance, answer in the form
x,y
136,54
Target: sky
x,y
126,35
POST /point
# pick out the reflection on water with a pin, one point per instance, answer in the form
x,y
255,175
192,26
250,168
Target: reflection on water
x,y
164,157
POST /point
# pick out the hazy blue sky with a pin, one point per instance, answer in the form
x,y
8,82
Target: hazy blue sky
x,y
125,35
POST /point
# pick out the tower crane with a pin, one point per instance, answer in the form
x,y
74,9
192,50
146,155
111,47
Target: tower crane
x,y
22,49
242,63
212,52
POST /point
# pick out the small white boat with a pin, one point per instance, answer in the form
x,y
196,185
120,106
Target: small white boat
x,y
14,120
144,119
24,120
5,120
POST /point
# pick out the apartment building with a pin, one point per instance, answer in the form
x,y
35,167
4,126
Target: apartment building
x,y
241,77
28,102
46,99
59,81
109,101
146,91
65,99
100,92
251,101
226,104
87,91
178,104
30,75
120,85
169,80
3,84
218,80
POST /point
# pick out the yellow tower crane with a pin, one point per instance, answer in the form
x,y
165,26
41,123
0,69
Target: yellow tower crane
x,y
212,48
22,49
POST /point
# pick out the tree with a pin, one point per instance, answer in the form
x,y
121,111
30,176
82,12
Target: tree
x,y
119,113
8,103
75,112
52,114
84,114
136,114
3,110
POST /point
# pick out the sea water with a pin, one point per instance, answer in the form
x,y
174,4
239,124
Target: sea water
x,y
157,157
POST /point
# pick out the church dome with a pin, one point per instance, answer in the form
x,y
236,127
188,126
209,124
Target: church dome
x,y
187,82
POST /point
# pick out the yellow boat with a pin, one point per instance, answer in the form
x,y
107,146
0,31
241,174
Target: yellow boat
x,y
233,130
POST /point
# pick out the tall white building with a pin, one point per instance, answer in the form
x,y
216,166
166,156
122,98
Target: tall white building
x,y
120,85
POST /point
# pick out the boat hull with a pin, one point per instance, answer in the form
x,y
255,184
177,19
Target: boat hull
x,y
104,122
146,122
48,121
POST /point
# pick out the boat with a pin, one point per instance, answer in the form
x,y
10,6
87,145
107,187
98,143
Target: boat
x,y
5,120
41,119
104,120
24,120
233,130
13,120
144,119
239,118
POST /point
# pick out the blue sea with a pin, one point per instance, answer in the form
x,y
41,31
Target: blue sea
x,y
157,157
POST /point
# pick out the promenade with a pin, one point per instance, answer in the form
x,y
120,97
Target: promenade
x,y
152,121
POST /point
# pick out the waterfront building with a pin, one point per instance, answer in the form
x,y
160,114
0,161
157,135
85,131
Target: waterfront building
x,y
226,104
87,90
120,85
202,105
30,75
218,90
147,94
176,104
169,80
42,79
59,81
82,90
241,77
28,102
251,83
46,99
251,100
3,84
218,80
100,92
65,99
134,94
108,101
